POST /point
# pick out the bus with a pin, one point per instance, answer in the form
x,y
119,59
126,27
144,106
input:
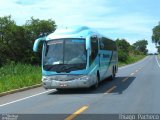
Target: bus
x,y
77,57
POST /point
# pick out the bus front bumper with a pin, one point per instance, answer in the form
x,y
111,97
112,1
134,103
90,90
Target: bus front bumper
x,y
83,82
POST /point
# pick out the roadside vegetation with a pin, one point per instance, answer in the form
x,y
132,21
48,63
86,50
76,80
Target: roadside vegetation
x,y
20,66
128,54
156,36
16,76
131,59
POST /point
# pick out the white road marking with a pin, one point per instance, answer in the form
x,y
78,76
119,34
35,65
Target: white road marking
x,y
137,70
157,62
130,65
131,74
25,98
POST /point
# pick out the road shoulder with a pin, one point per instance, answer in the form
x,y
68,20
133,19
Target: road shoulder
x,y
20,95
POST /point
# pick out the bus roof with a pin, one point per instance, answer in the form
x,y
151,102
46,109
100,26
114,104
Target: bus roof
x,y
73,32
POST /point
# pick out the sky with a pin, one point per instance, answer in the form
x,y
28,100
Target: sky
x,y
132,20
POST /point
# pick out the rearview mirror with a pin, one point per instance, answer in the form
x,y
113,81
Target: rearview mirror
x,y
36,43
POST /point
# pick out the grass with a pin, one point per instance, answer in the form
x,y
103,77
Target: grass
x,y
131,59
16,76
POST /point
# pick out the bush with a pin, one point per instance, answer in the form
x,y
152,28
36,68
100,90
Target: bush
x,y
122,56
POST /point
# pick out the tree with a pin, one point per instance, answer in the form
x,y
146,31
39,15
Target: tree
x,y
158,47
156,34
123,45
33,29
141,46
16,42
36,27
7,38
123,49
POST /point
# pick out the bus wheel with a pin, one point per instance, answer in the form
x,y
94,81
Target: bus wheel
x,y
97,82
59,89
113,74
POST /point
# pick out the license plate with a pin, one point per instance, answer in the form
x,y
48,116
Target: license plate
x,y
63,84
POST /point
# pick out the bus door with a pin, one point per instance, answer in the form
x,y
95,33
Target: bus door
x,y
101,59
95,54
94,59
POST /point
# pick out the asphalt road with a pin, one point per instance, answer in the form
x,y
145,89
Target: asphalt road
x,y
136,89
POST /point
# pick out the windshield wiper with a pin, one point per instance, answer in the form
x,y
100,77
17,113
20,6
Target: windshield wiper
x,y
53,67
68,68
64,67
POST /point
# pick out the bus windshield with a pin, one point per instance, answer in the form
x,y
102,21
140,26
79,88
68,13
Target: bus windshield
x,y
65,55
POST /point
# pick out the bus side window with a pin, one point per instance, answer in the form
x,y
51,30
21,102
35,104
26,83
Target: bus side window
x,y
94,49
101,44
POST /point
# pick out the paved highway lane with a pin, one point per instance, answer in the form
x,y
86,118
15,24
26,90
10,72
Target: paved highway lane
x,y
135,90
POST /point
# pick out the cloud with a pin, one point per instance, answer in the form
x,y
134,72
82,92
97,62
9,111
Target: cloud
x,y
114,19
26,2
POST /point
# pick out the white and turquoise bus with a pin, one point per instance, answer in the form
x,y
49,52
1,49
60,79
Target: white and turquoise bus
x,y
76,58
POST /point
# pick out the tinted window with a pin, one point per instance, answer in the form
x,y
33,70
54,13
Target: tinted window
x,y
94,49
65,55
107,44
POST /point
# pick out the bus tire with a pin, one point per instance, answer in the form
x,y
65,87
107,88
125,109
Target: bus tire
x,y
59,89
113,73
95,86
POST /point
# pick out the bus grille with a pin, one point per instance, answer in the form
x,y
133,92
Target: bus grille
x,y
65,77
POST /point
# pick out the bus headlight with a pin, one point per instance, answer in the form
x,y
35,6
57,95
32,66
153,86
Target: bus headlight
x,y
44,78
84,78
